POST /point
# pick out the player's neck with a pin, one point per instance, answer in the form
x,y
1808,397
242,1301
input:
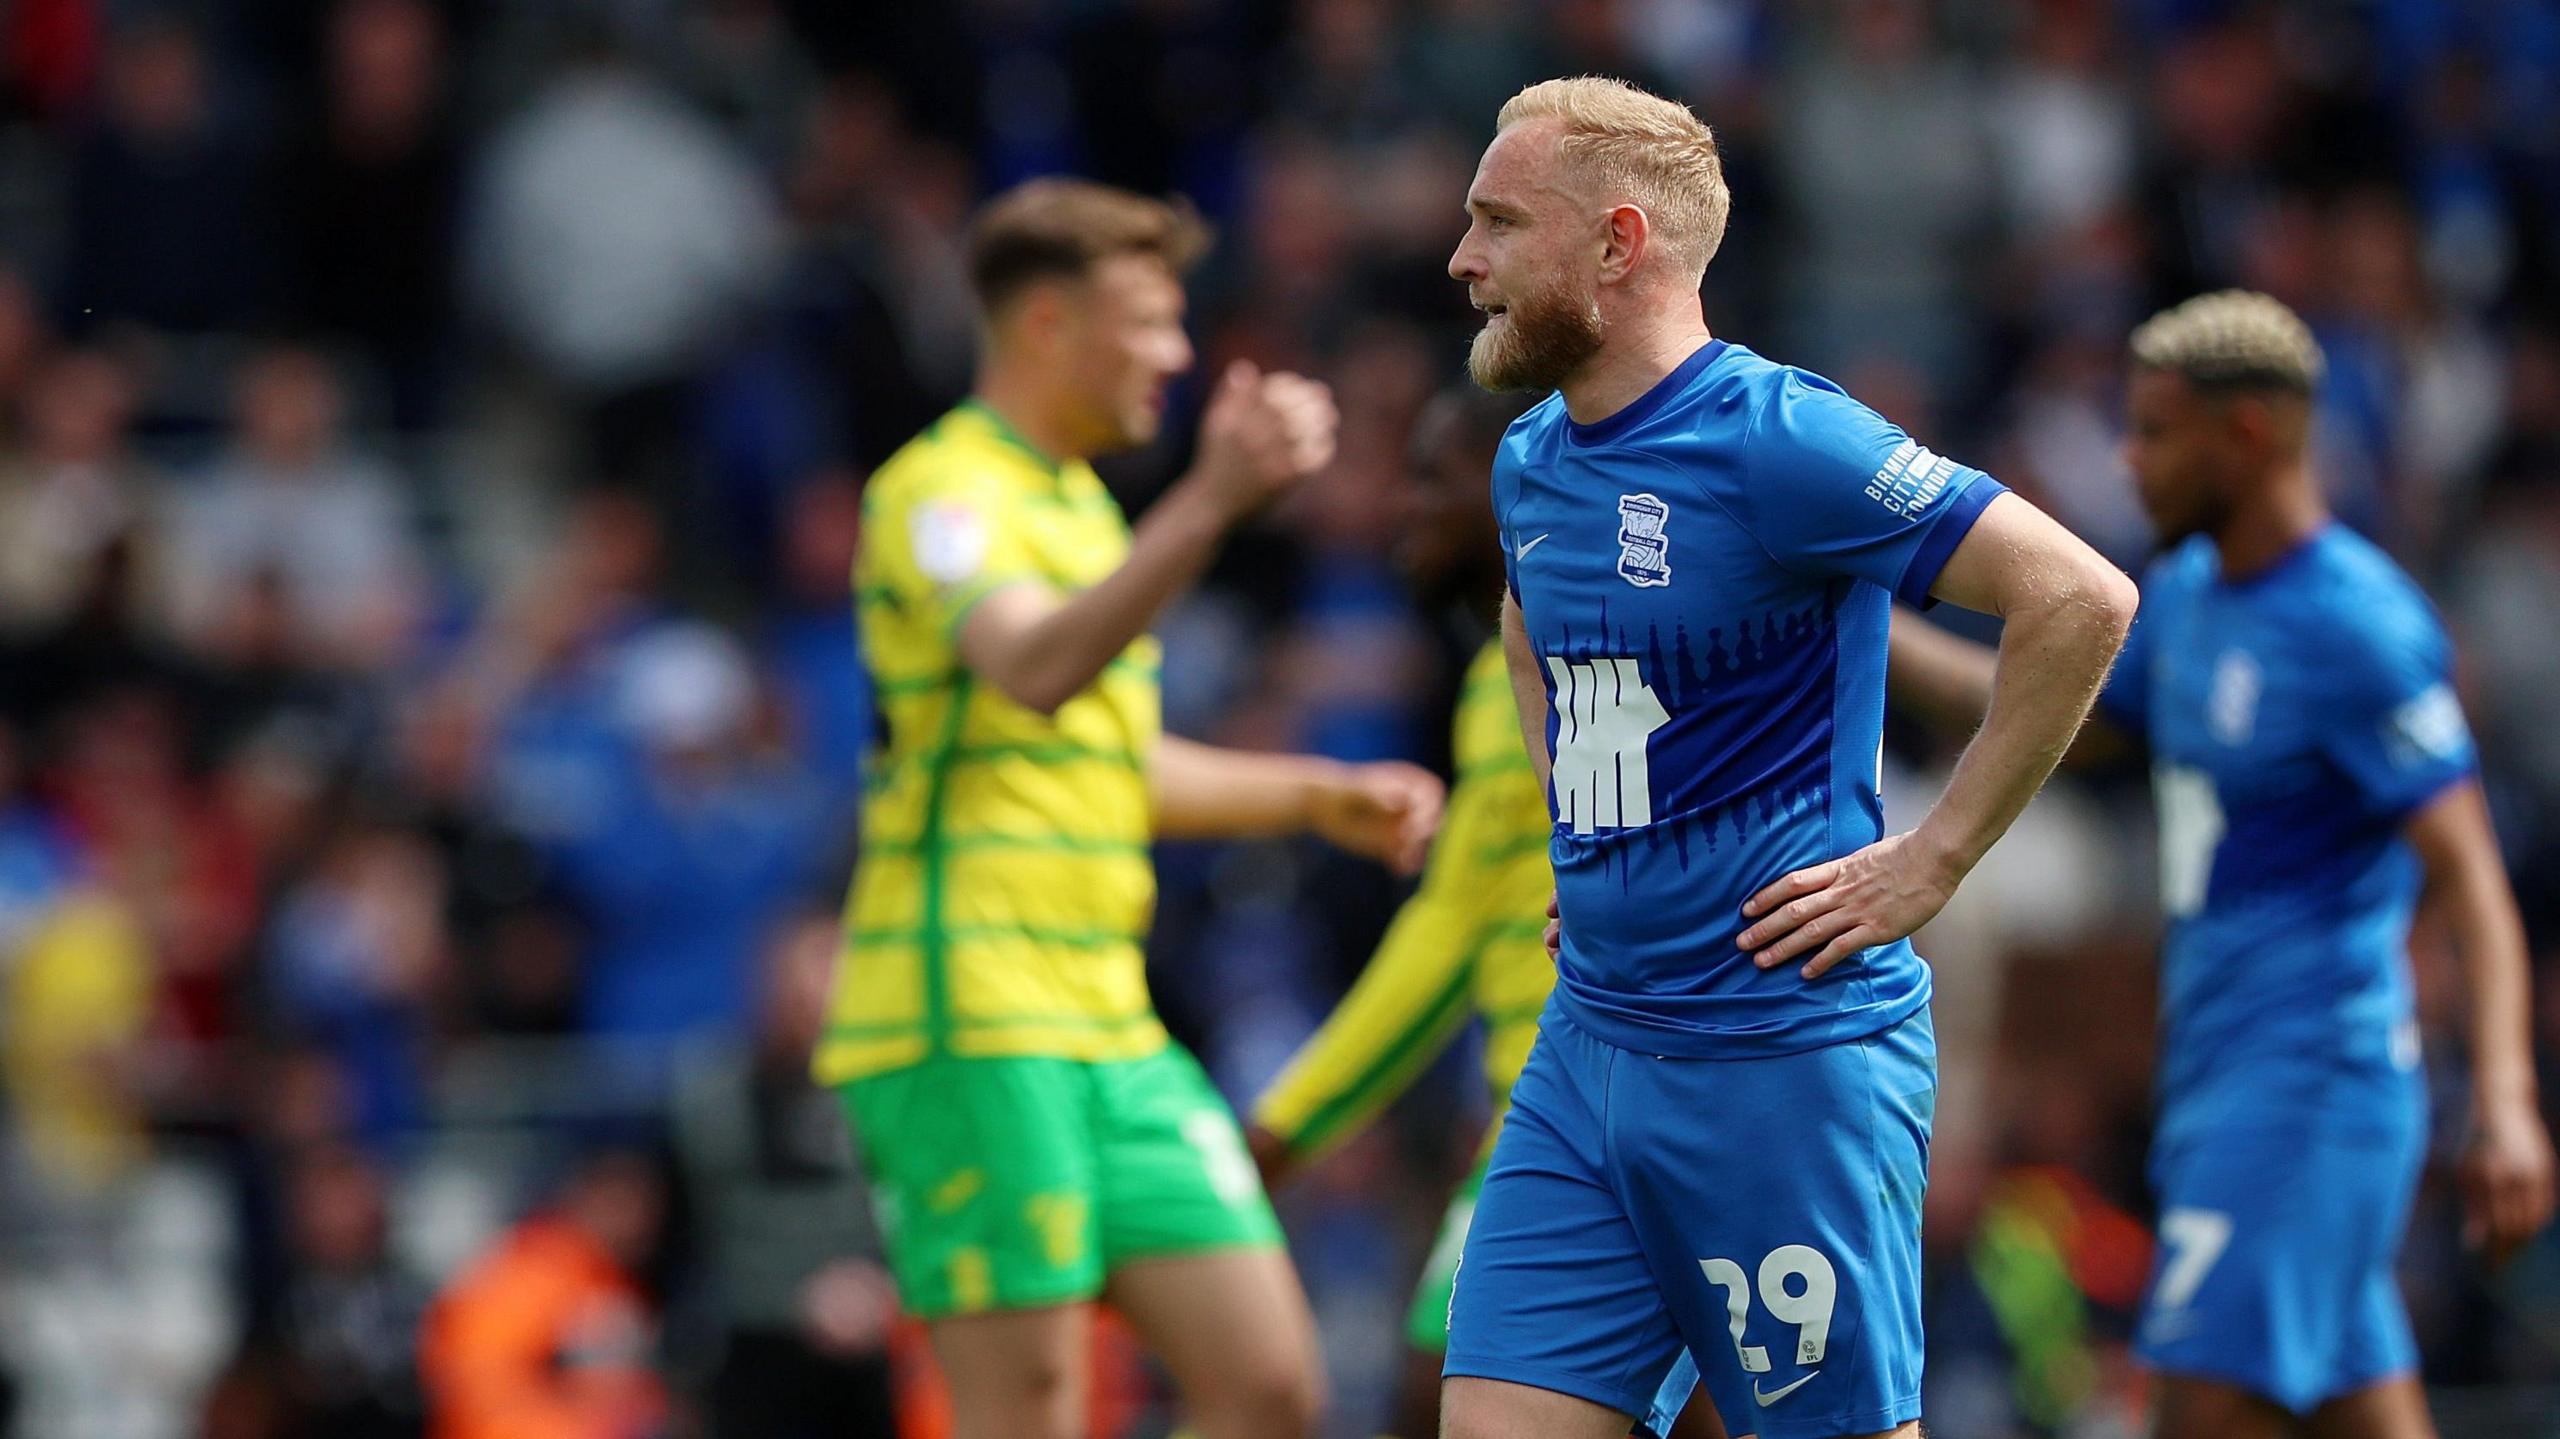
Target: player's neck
x,y
2271,526
1630,365
1025,406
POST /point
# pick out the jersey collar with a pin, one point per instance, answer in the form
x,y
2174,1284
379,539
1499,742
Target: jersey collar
x,y
1007,433
1635,412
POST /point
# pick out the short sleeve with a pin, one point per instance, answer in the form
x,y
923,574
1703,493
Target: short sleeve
x,y
1504,492
2392,722
947,539
1836,489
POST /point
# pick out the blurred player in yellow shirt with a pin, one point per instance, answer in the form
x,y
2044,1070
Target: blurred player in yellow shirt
x,y
1036,1139
1469,944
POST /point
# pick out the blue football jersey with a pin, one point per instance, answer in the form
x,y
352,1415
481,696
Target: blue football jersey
x,y
1706,578
2295,720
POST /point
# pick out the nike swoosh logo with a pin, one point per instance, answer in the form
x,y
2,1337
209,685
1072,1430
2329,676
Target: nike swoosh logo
x,y
1768,1399
1522,553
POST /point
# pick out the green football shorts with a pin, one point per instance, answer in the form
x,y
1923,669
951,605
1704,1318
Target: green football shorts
x,y
1427,1327
1012,1183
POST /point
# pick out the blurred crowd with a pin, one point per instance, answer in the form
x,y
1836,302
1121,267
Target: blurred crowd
x,y
431,719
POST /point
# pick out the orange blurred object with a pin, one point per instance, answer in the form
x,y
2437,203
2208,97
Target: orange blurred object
x,y
546,1337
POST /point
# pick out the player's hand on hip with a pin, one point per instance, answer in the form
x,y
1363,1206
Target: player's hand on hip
x,y
1555,928
1841,907
1262,435
2507,1183
1386,811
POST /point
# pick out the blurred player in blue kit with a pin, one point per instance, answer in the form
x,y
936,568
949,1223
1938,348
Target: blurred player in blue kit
x,y
2315,781
1720,1138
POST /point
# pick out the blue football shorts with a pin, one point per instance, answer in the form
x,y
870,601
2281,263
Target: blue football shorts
x,y
2277,1241
1762,1214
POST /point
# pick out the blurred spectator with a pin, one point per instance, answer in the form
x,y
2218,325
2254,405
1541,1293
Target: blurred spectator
x,y
357,961
817,656
525,723
638,754
617,236
73,491
342,1360
292,505
36,858
78,1006
25,342
2061,122
177,860
875,296
800,1299
2217,99
167,195
370,200
119,1304
550,1335
696,844
739,59
1884,157
52,53
2063,441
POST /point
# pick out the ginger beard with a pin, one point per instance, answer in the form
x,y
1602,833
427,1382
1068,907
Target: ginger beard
x,y
1534,342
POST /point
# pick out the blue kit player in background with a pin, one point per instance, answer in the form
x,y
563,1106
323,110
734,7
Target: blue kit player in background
x,y
1720,1140
2315,781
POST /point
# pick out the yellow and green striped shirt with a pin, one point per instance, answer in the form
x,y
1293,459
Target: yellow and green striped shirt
x,y
1469,943
1005,886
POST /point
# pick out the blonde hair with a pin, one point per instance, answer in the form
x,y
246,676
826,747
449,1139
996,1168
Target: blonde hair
x,y
2232,339
1653,151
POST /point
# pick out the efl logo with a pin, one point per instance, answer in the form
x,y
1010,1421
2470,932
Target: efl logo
x,y
1644,551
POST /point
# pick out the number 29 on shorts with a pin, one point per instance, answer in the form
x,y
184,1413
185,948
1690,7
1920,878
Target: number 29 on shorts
x,y
1809,1307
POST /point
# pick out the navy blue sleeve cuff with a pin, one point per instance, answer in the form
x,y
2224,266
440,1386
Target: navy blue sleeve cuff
x,y
2400,808
1953,523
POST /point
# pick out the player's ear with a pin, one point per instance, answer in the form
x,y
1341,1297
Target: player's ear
x,y
1624,235
2266,422
1038,315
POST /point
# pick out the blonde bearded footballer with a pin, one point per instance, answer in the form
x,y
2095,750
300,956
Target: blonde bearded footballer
x,y
1468,944
1036,1139
1719,1140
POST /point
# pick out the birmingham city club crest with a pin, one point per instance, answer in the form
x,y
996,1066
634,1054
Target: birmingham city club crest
x,y
1644,551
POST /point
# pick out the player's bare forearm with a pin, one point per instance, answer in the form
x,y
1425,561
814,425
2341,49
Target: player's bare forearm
x,y
1261,435
1387,811
2507,1169
2065,612
1207,792
1528,688
1944,680
1043,650
2466,885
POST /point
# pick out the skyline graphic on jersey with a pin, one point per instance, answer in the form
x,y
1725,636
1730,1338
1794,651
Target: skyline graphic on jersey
x,y
1717,735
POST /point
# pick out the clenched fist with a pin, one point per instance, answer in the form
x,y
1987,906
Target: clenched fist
x,y
1262,435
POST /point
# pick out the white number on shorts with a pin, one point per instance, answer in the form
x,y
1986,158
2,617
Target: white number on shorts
x,y
1223,1156
1737,1308
1809,1309
2195,1238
